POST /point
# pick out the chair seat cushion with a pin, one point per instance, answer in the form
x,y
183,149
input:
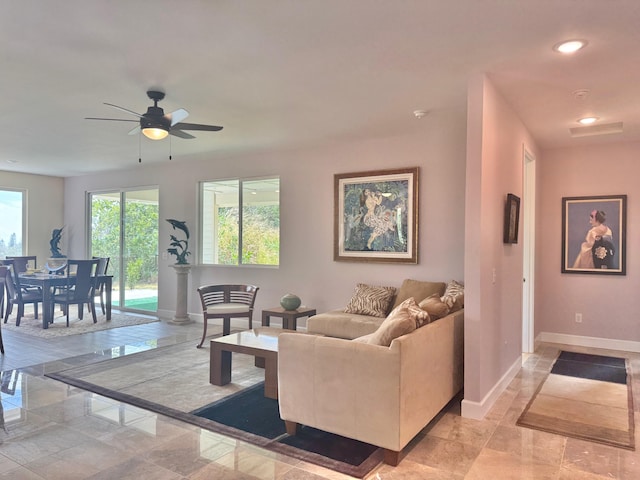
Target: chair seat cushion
x,y
222,308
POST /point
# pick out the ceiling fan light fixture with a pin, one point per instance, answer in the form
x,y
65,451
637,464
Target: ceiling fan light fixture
x,y
155,133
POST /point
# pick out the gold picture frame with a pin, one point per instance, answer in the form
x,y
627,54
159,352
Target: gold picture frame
x,y
376,216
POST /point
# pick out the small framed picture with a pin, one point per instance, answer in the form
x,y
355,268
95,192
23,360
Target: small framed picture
x,y
594,234
511,218
376,218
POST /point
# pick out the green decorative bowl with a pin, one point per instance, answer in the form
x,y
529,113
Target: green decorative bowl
x,y
290,302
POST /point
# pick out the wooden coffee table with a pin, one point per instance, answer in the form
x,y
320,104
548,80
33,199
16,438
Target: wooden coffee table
x,y
259,342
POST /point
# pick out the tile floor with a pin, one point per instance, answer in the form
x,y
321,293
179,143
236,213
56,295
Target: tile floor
x,y
54,431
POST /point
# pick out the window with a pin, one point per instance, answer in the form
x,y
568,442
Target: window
x,y
11,227
231,235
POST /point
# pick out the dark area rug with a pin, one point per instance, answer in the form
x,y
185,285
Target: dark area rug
x,y
595,367
250,411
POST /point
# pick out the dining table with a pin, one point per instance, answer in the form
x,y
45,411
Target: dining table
x,y
47,282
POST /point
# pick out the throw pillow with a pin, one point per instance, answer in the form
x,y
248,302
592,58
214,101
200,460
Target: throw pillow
x,y
398,323
419,315
371,300
435,307
418,290
454,296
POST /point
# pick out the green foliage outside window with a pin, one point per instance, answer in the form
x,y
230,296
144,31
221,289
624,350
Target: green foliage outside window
x,y
141,257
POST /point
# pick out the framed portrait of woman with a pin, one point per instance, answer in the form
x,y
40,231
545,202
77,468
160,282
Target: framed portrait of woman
x,y
376,216
594,234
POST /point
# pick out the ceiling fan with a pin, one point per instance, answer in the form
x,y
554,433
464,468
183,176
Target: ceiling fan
x,y
155,124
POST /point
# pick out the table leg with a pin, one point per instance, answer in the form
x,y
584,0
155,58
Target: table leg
x,y
219,365
266,319
107,285
47,307
271,376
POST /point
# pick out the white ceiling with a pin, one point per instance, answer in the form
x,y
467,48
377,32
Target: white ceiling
x,y
282,74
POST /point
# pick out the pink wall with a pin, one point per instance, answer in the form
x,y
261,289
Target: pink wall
x,y
493,310
435,144
608,303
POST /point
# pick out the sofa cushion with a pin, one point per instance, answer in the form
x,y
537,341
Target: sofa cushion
x,y
418,290
337,323
405,318
371,300
454,296
434,306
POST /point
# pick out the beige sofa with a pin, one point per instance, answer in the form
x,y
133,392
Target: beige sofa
x,y
376,394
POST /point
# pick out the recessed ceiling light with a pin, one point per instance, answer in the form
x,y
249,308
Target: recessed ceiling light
x,y
570,46
587,120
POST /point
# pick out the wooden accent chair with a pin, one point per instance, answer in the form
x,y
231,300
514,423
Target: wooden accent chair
x,y
16,295
80,291
226,302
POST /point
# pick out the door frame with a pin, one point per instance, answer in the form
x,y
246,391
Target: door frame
x,y
528,250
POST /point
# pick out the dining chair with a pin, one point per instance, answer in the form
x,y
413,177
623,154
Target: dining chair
x,y
22,263
226,302
3,274
80,288
16,295
103,265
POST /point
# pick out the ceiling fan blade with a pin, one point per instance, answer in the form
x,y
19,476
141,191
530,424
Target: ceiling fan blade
x,y
177,116
134,130
180,133
124,109
111,119
197,126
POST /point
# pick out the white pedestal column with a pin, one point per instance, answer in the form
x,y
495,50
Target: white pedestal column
x,y
182,277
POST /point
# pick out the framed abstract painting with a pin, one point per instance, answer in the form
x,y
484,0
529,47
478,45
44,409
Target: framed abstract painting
x,y
376,216
594,234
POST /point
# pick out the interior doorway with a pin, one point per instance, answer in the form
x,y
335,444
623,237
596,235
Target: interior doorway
x,y
124,227
528,250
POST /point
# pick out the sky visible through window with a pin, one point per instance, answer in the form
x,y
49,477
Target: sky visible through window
x,y
11,215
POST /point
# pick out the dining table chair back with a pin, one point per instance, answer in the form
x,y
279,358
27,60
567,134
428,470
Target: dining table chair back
x,y
24,262
80,288
103,265
16,295
3,275
226,302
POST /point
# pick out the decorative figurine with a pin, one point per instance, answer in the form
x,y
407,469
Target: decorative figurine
x,y
179,248
56,235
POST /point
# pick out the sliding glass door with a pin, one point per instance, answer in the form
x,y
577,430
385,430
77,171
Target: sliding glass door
x,y
124,227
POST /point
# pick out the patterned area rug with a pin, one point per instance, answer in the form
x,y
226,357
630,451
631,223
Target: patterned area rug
x,y
30,326
148,380
587,397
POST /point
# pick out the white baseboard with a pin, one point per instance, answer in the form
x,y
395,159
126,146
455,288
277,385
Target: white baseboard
x,y
594,342
477,410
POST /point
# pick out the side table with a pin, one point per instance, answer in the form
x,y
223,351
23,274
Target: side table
x,y
289,317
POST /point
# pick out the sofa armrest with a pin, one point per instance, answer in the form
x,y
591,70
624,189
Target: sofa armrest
x,y
338,385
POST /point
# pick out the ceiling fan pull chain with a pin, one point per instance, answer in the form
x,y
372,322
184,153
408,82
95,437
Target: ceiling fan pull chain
x,y
140,147
169,147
